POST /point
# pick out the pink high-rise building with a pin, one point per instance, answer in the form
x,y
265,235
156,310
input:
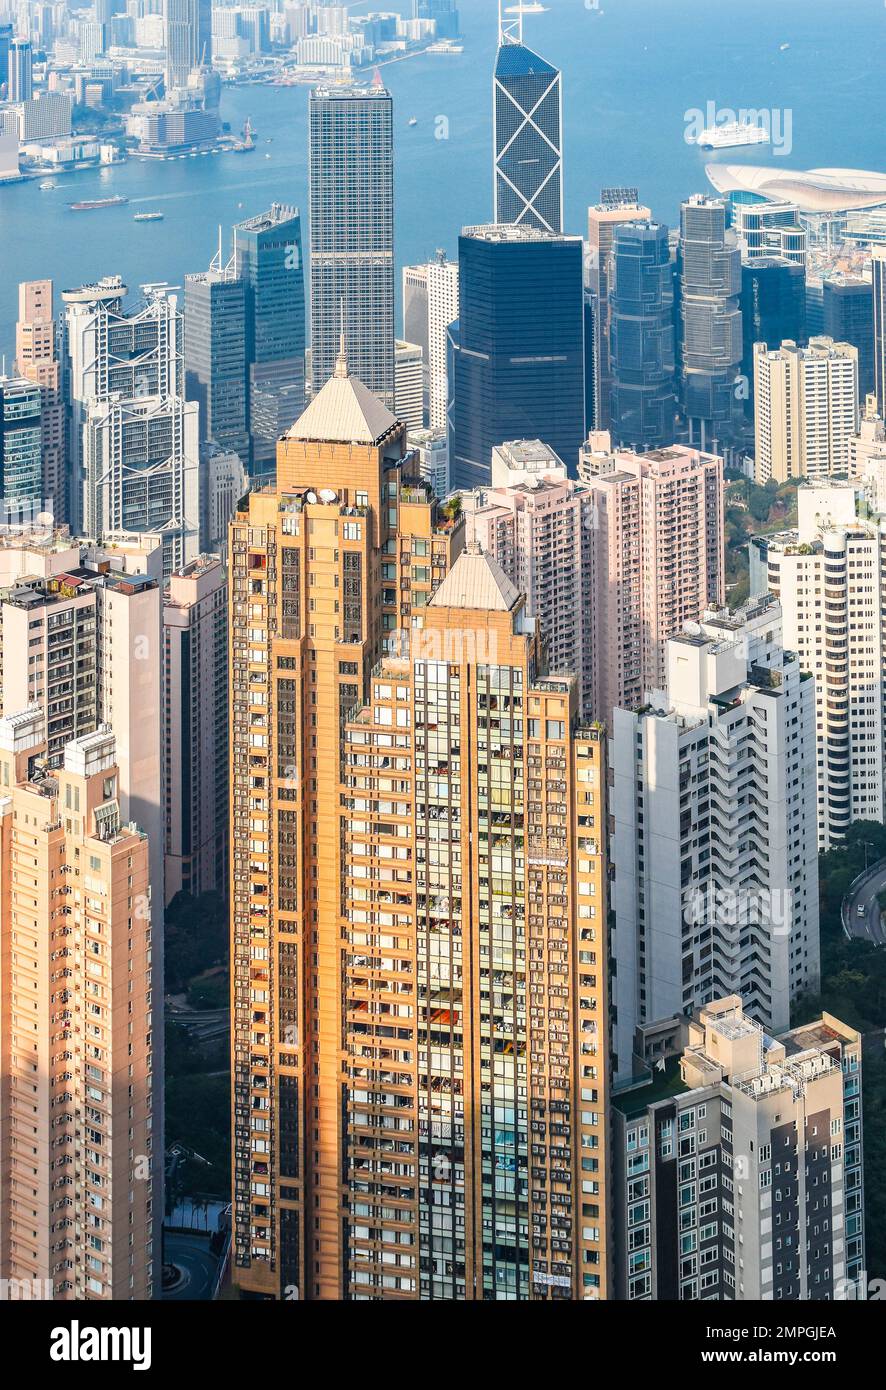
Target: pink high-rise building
x,y
657,564
539,526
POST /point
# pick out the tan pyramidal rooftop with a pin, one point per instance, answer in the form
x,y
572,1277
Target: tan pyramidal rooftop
x,y
476,580
344,411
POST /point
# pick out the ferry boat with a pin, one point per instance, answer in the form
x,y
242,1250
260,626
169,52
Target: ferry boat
x,y
731,135
148,217
90,203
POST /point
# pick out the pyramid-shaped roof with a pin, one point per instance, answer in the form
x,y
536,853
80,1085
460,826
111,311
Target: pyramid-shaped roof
x,y
516,60
344,411
476,580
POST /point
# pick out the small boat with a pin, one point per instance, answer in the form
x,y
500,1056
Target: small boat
x,y
46,185
784,48
413,120
148,217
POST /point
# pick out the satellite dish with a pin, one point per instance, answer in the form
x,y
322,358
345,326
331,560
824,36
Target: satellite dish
x,y
310,496
327,495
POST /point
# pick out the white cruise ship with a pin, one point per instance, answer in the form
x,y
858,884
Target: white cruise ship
x,y
733,133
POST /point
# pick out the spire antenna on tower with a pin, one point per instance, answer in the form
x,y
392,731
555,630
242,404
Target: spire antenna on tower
x,y
510,23
341,365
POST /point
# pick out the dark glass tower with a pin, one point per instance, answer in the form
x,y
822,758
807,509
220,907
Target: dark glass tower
x,y
643,402
215,356
773,310
709,266
21,443
268,259
527,123
517,352
351,166
848,317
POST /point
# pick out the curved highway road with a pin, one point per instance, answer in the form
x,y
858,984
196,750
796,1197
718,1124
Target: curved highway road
x,y
867,925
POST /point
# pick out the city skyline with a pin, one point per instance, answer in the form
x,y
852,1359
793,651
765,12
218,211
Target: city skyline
x,y
442,716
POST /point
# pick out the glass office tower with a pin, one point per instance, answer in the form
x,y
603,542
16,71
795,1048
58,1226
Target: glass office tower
x,y
643,402
709,266
848,317
351,169
268,259
517,366
773,310
215,356
527,123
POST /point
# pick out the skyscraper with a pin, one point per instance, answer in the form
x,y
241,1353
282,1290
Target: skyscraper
x,y
37,359
709,269
769,228
848,317
527,135
21,70
215,354
617,206
517,351
878,267
188,25
351,172
657,553
643,402
829,576
539,525
81,1103
805,409
111,354
740,1126
715,849
376,827
442,311
773,309
268,259
141,461
195,667
21,446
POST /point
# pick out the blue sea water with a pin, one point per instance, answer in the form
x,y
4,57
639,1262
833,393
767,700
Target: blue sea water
x,y
632,69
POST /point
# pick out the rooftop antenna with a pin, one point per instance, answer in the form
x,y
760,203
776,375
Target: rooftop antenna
x,y
510,23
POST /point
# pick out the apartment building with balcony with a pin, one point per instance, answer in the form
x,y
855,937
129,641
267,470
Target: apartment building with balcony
x,y
419,899
737,1167
829,576
715,843
657,563
195,716
539,525
805,409
80,1095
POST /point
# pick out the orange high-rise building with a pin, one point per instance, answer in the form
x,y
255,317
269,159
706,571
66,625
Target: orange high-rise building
x,y
419,899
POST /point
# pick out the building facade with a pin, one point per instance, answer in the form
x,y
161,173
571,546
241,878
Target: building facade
x,y
268,259
36,358
357,869
805,409
657,563
527,135
643,402
517,351
715,844
195,677
830,578
81,1211
737,1172
709,323
351,176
